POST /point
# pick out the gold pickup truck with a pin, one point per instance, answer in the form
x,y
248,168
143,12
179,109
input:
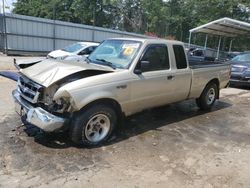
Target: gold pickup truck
x,y
121,77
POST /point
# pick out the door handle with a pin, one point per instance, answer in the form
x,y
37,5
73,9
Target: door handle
x,y
170,77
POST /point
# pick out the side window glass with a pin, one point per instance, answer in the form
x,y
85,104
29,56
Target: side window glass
x,y
91,49
157,56
83,52
198,53
86,51
180,58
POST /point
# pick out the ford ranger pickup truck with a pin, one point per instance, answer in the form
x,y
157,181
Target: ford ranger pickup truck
x,y
121,77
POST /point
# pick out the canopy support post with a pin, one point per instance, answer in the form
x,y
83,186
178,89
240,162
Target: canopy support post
x,y
218,50
230,46
205,45
189,41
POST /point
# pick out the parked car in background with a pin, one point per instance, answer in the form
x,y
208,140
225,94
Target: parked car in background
x,y
231,55
240,70
74,52
199,55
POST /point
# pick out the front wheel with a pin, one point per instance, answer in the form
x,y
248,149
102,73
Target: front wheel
x,y
208,97
93,126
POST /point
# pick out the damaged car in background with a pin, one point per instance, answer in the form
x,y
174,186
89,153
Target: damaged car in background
x,y
121,77
76,52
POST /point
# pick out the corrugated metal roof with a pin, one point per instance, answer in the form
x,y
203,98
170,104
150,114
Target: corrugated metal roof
x,y
224,27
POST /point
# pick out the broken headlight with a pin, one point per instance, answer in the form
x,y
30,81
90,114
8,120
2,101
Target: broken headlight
x,y
60,105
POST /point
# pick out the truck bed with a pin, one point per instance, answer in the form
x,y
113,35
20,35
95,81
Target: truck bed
x,y
206,64
202,73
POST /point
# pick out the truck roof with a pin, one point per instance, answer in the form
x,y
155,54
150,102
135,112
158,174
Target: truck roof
x,y
151,40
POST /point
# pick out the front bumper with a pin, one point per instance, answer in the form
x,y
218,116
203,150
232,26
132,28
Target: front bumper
x,y
239,82
36,115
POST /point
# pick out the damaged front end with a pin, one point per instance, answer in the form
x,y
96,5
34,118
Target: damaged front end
x,y
30,106
36,104
37,115
25,63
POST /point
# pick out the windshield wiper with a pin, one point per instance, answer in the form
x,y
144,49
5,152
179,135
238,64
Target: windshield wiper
x,y
107,63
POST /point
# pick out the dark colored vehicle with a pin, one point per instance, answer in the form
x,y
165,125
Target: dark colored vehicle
x,y
231,55
240,70
199,55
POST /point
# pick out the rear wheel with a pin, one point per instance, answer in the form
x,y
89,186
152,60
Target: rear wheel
x,y
93,126
208,97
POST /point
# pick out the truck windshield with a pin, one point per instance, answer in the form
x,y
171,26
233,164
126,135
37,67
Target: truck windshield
x,y
73,47
118,53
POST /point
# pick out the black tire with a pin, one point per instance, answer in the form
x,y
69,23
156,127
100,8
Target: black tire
x,y
204,102
81,119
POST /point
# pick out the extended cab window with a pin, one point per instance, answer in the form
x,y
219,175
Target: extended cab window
x,y
180,57
157,56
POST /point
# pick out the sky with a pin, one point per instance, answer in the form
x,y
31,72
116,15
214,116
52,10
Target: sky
x,y
8,5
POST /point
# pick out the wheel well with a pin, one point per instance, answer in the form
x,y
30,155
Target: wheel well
x,y
106,101
215,81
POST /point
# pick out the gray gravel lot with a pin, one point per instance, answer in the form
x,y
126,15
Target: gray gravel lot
x,y
172,146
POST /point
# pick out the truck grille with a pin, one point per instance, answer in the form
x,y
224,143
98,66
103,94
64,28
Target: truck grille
x,y
29,90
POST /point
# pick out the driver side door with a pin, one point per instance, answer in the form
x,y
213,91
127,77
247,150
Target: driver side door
x,y
153,87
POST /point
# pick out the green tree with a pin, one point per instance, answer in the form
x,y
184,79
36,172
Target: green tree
x,y
163,17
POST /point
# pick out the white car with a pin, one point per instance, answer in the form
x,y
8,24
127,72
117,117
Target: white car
x,y
74,52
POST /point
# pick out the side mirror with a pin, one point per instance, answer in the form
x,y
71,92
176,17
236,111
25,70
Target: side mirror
x,y
142,67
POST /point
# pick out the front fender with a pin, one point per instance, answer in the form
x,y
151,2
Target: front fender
x,y
80,98
93,97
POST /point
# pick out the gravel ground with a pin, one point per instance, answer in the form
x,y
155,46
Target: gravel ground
x,y
172,146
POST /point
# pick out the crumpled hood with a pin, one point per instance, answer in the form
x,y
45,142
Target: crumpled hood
x,y
59,54
21,63
50,71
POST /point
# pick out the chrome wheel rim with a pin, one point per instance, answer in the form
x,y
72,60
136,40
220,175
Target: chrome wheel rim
x,y
97,128
210,96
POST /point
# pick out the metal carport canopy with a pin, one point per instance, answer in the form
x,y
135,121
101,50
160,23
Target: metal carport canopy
x,y
224,27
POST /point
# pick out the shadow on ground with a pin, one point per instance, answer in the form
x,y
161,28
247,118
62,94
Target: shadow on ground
x,y
137,124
